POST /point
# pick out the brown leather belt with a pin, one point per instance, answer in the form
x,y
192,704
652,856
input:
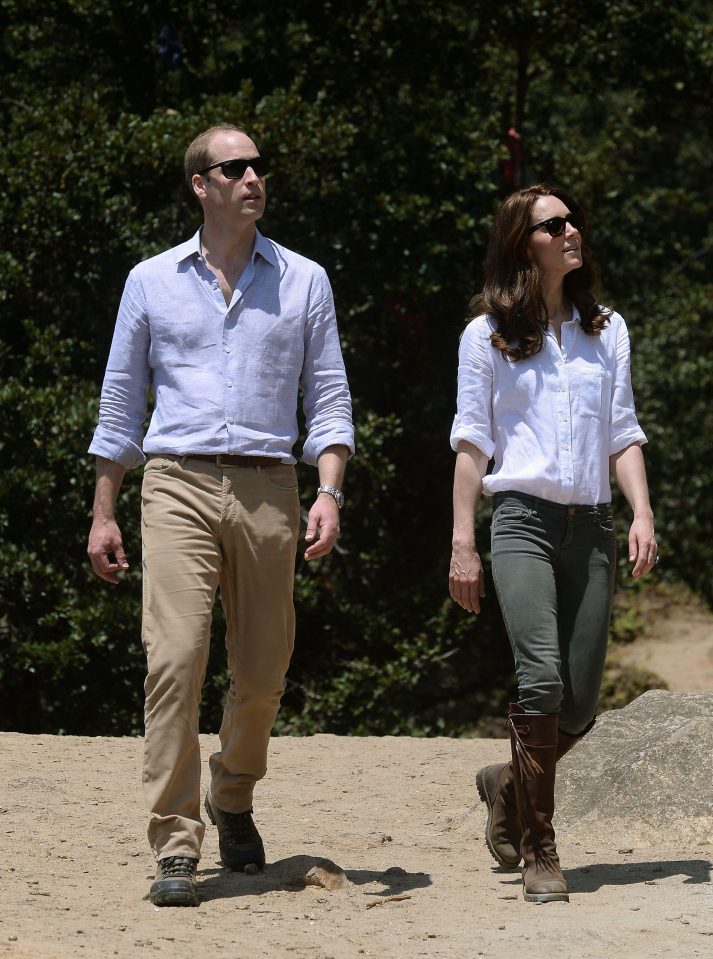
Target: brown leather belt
x,y
235,459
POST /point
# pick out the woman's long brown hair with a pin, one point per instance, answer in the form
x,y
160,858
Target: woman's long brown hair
x,y
512,291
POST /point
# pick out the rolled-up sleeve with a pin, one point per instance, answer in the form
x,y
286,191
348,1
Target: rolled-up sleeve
x,y
473,419
624,427
326,399
124,394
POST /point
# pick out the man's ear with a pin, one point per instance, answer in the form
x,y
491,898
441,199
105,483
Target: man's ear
x,y
198,186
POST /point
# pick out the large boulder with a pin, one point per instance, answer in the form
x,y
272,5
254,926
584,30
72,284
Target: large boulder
x,y
643,776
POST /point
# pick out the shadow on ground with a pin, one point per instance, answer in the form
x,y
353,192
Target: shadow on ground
x,y
221,883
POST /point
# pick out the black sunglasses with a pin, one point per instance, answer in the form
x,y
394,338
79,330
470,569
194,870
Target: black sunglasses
x,y
556,225
235,169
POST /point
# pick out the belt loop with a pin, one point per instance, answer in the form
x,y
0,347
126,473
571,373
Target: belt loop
x,y
219,460
182,460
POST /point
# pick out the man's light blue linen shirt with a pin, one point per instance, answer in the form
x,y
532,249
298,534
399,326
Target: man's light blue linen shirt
x,y
225,379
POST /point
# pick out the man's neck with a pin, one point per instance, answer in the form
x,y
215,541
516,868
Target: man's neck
x,y
227,248
227,253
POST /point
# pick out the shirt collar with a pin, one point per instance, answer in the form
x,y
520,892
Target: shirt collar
x,y
189,248
192,247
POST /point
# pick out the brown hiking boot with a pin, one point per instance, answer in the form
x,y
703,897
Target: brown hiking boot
x,y
496,787
239,841
175,882
533,739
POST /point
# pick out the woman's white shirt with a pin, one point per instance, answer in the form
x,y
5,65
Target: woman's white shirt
x,y
550,421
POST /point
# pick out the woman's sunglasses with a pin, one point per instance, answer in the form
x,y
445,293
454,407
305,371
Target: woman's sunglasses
x,y
556,225
235,169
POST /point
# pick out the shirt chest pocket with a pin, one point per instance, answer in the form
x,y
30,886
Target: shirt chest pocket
x,y
592,392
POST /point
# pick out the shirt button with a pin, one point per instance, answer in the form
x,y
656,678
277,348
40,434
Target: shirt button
x,y
563,389
227,349
229,384
569,476
231,419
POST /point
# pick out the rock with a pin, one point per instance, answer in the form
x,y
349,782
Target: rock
x,y
327,875
643,775
310,871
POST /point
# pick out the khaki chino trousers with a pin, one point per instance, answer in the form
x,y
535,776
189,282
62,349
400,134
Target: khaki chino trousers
x,y
204,526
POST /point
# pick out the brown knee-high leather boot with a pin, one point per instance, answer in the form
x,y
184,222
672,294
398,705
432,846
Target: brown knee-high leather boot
x,y
496,788
533,741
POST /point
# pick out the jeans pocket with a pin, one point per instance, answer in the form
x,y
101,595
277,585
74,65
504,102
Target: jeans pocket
x,y
510,513
282,477
605,521
159,464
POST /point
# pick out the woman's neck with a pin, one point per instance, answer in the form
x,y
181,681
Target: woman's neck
x,y
558,307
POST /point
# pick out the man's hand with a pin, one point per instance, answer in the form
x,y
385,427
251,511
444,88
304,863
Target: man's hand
x,y
106,550
465,579
323,522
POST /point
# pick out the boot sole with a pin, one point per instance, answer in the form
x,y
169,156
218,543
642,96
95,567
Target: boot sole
x,y
545,896
176,895
483,793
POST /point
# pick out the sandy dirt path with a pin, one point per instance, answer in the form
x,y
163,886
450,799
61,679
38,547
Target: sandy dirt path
x,y
398,814
677,644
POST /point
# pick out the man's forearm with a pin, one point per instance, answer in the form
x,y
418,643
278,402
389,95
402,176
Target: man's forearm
x,y
332,463
109,477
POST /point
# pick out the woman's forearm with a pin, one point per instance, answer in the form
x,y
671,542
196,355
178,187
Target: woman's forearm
x,y
630,474
470,468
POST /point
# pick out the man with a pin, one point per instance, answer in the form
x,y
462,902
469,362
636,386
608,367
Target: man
x,y
224,329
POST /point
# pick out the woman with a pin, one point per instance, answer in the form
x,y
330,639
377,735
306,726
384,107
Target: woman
x,y
544,389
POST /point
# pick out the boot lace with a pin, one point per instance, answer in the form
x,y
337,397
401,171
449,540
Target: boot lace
x,y
178,867
526,760
238,828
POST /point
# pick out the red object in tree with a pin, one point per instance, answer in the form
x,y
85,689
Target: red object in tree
x,y
512,166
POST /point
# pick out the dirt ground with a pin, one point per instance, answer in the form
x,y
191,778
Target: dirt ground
x,y
399,815
678,643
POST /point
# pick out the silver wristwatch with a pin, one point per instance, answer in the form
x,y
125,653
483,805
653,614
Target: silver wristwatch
x,y
336,494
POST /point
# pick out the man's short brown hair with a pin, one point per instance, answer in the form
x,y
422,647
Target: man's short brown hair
x,y
197,156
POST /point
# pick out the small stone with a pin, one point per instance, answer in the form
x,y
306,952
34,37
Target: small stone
x,y
385,838
301,871
12,938
252,869
327,875
395,871
625,852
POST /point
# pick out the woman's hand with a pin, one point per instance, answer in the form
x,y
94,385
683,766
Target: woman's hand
x,y
643,549
465,579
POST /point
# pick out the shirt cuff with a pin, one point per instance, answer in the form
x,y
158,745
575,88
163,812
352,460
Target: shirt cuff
x,y
628,438
483,442
315,446
124,452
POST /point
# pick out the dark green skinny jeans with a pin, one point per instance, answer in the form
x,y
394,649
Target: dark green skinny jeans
x,y
553,567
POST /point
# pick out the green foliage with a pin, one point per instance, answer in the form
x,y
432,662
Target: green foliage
x,y
386,122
